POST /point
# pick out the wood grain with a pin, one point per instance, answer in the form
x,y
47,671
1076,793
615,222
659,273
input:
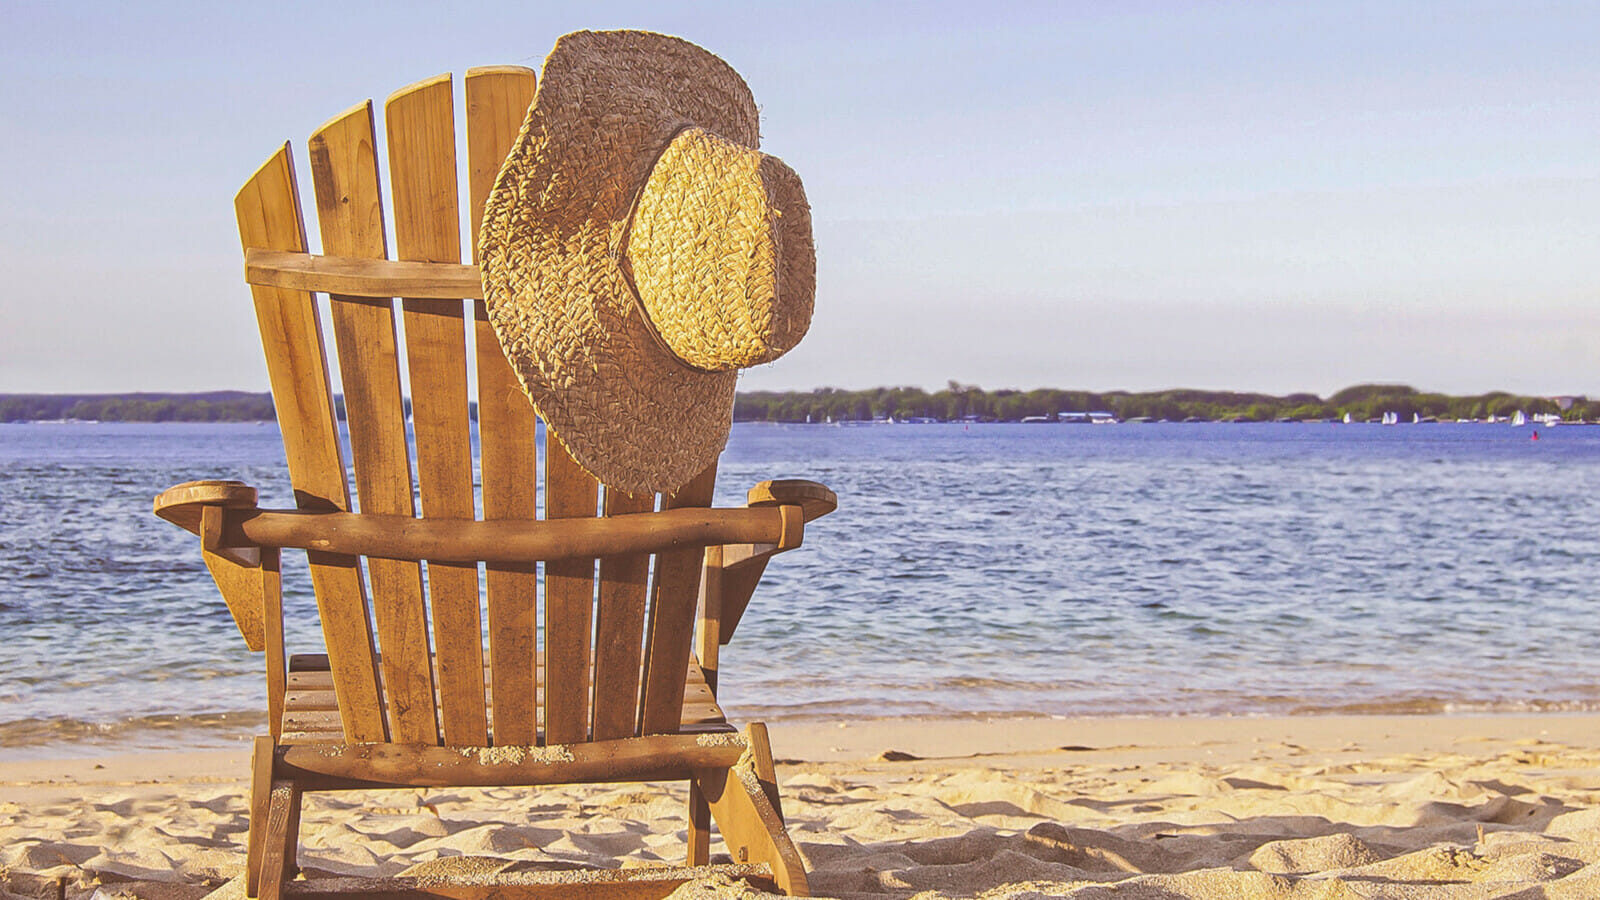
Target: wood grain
x,y
311,709
261,761
815,499
277,856
570,493
355,277
708,623
497,100
750,826
397,537
738,586
697,837
643,883
672,615
420,123
239,585
344,169
183,504
350,766
271,593
268,212
619,626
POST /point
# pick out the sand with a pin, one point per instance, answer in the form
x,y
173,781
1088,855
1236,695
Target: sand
x,y
1334,807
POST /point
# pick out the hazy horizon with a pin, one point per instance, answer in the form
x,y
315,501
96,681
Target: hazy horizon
x,y
931,389
1246,196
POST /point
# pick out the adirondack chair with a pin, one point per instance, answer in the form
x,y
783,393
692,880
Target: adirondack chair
x,y
619,682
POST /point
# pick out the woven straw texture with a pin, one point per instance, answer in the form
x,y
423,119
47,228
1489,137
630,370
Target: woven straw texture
x,y
713,226
719,248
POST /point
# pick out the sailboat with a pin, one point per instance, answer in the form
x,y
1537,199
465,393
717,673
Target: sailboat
x,y
1347,418
1391,418
1519,418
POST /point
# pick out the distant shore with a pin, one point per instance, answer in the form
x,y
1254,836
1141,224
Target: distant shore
x,y
957,403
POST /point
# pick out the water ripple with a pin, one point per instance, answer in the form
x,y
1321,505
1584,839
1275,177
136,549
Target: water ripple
x,y
992,569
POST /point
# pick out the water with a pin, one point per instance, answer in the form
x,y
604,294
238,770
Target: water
x,y
970,570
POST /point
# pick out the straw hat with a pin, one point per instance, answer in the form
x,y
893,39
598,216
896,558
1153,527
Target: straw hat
x,y
637,250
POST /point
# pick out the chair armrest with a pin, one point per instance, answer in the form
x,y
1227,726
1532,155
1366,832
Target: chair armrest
x,y
225,517
184,505
197,507
814,499
742,565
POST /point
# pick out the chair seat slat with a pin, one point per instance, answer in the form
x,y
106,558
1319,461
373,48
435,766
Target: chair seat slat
x,y
310,707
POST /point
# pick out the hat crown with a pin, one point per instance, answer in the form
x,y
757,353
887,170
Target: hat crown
x,y
556,265
719,250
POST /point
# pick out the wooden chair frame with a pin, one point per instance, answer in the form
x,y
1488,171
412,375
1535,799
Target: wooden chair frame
x,y
618,681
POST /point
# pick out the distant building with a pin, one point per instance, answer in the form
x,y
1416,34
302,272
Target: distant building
x,y
1565,403
1097,417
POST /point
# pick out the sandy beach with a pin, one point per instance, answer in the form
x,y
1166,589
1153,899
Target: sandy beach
x,y
1313,807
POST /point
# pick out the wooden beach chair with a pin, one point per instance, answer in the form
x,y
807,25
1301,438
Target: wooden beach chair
x,y
606,674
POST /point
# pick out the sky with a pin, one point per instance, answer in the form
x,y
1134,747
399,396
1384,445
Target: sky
x,y
1272,196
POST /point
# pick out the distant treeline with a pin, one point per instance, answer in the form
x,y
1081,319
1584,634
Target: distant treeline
x,y
955,402
959,401
216,406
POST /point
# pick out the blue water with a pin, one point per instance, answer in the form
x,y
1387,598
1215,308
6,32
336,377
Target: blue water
x,y
1067,570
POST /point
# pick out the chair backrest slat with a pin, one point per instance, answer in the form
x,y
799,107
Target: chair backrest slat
x,y
422,168
344,168
615,653
268,210
569,492
497,101
672,610
619,629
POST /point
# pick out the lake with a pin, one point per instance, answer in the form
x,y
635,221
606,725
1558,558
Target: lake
x,y
1162,569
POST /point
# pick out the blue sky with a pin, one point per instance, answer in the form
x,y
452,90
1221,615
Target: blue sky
x,y
1252,196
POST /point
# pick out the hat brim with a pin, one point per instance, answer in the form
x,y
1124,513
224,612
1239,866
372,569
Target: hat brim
x,y
631,414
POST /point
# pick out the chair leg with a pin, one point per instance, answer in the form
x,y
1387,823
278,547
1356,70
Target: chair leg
x,y
277,852
261,758
699,826
766,771
749,824
291,846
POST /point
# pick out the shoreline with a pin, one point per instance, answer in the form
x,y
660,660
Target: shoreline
x,y
221,732
937,734
1281,807
935,738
